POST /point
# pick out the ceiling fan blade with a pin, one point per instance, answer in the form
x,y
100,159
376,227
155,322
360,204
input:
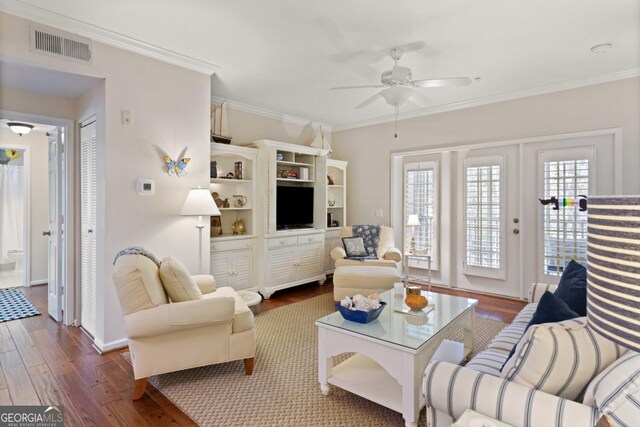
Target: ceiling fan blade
x,y
356,87
446,82
368,101
413,46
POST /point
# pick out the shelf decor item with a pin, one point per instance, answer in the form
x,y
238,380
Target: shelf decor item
x,y
239,201
238,227
199,203
220,124
216,226
213,169
238,169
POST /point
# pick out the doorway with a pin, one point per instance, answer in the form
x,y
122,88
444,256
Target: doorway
x,y
44,183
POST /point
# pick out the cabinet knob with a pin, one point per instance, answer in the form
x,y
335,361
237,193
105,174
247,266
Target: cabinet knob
x,y
310,239
214,247
282,242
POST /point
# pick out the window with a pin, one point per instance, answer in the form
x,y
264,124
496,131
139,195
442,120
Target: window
x,y
565,229
420,199
483,216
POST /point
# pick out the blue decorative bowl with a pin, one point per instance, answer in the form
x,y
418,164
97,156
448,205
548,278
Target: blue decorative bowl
x,y
361,316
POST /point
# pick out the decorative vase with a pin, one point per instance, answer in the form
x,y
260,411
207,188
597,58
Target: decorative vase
x,y
416,302
238,227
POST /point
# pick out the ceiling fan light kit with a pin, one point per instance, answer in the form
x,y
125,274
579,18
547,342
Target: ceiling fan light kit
x,y
398,85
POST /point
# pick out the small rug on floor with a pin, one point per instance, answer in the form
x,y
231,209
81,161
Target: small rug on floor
x,y
14,305
284,388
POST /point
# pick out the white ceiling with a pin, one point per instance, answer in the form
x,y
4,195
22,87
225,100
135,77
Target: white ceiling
x,y
284,55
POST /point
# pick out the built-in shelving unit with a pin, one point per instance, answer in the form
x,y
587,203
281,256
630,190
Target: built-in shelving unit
x,y
336,208
290,257
233,256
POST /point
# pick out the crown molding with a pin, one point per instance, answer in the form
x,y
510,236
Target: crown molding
x,y
102,35
492,99
258,111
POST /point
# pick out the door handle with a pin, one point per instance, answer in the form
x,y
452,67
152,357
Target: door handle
x,y
90,230
46,233
516,231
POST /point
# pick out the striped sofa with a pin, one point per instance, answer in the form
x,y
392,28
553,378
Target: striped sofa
x,y
613,379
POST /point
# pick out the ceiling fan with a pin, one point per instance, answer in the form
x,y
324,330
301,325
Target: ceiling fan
x,y
399,85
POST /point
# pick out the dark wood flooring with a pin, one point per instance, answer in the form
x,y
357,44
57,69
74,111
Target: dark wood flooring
x,y
42,362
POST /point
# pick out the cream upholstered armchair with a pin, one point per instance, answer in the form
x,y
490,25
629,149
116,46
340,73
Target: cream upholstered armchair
x,y
388,255
169,336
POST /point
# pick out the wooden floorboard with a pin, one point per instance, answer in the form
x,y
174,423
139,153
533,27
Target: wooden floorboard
x,y
44,362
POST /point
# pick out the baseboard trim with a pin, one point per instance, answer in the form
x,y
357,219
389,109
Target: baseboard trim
x,y
38,282
102,347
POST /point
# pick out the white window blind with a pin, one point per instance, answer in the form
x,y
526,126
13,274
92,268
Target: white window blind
x,y
420,199
483,216
565,229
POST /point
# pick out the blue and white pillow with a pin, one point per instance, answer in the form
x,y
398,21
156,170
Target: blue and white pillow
x,y
370,235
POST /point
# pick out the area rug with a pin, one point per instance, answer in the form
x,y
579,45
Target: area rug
x,y
284,388
14,305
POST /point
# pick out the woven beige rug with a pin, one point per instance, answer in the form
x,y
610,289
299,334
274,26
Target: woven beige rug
x,y
284,388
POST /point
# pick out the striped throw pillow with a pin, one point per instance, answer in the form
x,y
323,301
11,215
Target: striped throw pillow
x,y
560,358
616,390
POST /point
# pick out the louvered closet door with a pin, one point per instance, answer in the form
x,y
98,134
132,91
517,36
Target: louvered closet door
x,y
88,213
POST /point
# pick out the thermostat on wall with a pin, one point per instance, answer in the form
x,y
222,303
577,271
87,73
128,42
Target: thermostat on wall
x,y
146,187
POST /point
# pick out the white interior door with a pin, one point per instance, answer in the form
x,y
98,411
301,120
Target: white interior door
x,y
88,215
56,220
488,220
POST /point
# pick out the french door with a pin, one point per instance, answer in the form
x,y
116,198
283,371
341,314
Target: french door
x,y
488,254
507,238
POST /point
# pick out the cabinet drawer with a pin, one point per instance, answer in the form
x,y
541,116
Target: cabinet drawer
x,y
231,245
279,242
310,238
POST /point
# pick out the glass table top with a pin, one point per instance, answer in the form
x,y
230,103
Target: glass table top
x,y
406,330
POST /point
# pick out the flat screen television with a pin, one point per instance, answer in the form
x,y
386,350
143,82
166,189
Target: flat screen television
x,y
294,207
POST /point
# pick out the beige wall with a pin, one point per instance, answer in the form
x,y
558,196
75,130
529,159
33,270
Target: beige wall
x,y
39,203
247,127
368,149
170,109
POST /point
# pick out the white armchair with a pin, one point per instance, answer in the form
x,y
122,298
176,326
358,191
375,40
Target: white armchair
x,y
166,336
388,255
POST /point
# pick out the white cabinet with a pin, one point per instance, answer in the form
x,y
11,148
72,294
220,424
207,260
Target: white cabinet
x,y
293,259
232,263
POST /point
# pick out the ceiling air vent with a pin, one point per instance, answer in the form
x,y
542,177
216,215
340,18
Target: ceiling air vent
x,y
58,43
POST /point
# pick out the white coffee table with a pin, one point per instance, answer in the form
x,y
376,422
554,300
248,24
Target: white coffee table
x,y
393,351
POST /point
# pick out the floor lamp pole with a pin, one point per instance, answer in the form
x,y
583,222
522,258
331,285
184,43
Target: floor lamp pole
x,y
200,226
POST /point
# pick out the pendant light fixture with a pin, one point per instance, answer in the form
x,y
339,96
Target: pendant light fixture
x,y
20,128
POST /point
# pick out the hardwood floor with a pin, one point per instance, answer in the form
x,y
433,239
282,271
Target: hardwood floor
x,y
42,362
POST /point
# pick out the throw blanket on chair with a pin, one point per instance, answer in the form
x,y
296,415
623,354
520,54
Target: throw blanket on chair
x,y
371,236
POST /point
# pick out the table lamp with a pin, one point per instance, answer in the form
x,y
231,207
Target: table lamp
x,y
613,272
413,221
199,203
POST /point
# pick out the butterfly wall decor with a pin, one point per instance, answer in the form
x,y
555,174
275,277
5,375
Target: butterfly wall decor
x,y
176,168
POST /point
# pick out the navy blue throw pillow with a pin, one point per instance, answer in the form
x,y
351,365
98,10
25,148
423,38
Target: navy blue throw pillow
x,y
550,309
572,288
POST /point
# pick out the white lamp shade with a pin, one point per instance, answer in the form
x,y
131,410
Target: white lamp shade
x,y
413,220
199,202
613,272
